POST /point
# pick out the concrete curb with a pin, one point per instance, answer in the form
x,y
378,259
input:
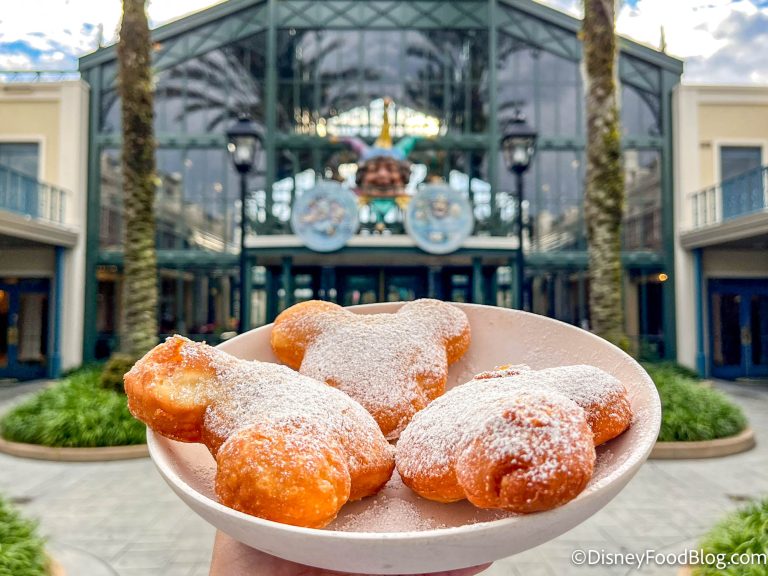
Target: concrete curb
x,y
103,454
707,449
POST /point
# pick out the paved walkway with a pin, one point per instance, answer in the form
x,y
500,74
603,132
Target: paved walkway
x,y
124,514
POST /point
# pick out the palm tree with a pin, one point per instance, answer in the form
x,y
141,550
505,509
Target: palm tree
x,y
604,186
139,328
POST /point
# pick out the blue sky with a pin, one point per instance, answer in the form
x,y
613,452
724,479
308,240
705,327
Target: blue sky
x,y
721,40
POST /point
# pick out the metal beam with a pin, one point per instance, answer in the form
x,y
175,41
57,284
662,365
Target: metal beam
x,y
194,23
572,25
177,259
477,281
54,369
93,212
476,141
493,112
353,14
271,106
668,82
698,278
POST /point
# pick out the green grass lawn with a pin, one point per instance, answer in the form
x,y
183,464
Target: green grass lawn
x,y
742,532
691,411
76,412
21,549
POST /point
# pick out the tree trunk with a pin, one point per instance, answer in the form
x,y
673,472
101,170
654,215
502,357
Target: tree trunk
x,y
604,187
139,332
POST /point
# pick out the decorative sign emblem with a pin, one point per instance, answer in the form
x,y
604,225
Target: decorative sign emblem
x,y
325,217
439,219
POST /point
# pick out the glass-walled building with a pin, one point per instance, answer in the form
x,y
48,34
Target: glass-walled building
x,y
315,75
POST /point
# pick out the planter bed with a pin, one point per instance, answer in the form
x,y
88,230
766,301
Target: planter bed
x,y
741,442
98,454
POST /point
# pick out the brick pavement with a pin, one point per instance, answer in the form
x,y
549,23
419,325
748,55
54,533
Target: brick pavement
x,y
123,513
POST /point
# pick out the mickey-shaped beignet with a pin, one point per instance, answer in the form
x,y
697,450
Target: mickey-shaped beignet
x,y
514,438
392,364
287,448
499,446
602,396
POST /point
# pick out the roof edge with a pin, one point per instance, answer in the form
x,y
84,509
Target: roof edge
x,y
531,7
171,29
573,24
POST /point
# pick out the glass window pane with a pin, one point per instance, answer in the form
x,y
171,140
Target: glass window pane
x,y
735,160
640,112
642,218
111,202
32,323
552,200
326,73
197,203
545,87
23,157
109,115
726,337
758,323
742,180
203,94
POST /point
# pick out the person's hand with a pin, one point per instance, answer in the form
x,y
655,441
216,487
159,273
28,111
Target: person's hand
x,y
231,558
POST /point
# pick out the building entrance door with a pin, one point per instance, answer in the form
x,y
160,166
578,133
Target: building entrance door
x,y
24,328
369,285
738,328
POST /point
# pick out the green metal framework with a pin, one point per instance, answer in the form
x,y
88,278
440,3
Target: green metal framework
x,y
653,73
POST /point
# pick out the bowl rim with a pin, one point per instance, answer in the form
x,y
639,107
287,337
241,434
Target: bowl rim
x,y
627,469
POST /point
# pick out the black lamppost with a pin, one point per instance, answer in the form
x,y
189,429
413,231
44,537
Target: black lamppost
x,y
518,144
244,142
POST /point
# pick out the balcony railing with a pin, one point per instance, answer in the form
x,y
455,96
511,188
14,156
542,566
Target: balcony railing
x,y
38,76
28,196
740,196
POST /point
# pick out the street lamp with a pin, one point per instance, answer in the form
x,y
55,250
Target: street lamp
x,y
244,142
518,144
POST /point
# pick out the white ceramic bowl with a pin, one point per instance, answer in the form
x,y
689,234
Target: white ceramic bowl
x,y
396,532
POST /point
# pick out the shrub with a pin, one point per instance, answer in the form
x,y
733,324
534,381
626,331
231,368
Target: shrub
x,y
742,532
114,370
690,411
673,368
75,412
21,549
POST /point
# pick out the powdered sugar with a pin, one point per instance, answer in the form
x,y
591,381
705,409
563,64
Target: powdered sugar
x,y
437,436
585,385
251,393
392,364
388,514
503,371
601,395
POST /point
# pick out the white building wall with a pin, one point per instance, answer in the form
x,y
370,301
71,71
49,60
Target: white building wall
x,y
706,117
73,170
686,171
55,114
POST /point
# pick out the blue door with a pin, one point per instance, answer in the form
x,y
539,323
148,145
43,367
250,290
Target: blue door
x,y
24,334
738,313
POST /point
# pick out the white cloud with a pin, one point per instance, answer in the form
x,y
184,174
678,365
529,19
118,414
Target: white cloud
x,y
15,62
58,24
717,37
161,11
689,25
72,26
